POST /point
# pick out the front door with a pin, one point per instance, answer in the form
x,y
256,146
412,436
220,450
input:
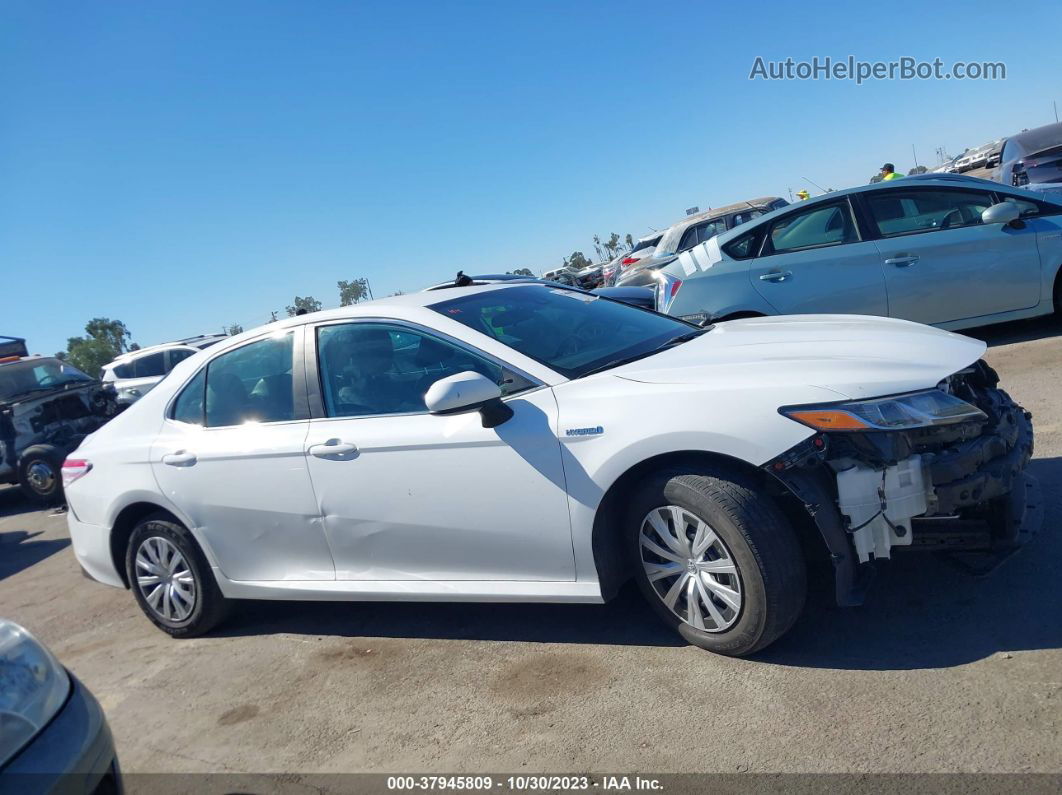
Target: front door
x,y
406,495
231,457
813,261
943,264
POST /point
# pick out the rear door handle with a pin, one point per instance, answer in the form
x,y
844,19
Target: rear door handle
x,y
902,261
775,276
331,448
182,458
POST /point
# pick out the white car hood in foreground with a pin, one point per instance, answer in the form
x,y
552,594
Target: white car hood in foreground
x,y
853,355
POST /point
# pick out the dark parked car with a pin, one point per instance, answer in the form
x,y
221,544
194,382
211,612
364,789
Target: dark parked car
x,y
47,407
1033,160
53,734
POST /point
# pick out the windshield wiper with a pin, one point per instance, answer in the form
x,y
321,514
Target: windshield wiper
x,y
681,338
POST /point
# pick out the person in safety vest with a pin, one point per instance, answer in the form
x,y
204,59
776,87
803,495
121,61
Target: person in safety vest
x,y
888,171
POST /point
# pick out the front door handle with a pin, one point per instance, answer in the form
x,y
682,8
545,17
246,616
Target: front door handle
x,y
182,458
902,261
775,276
331,448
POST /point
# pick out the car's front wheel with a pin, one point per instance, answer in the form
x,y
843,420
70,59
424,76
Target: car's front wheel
x,y
171,579
716,559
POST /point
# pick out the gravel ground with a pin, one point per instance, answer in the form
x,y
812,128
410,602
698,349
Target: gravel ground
x,y
940,671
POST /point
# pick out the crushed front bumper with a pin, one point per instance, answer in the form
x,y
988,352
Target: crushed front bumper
x,y
958,488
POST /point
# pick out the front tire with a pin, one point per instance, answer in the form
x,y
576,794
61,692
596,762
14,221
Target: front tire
x,y
171,580
716,559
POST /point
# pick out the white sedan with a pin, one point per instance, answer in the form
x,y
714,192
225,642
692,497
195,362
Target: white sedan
x,y
527,442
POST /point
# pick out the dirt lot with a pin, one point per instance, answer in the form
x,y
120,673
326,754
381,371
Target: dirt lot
x,y
939,672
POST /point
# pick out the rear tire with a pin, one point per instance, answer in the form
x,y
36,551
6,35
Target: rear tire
x,y
745,588
171,580
40,476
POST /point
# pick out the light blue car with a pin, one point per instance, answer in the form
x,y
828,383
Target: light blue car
x,y
944,249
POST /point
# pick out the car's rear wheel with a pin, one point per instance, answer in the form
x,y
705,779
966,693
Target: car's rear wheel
x,y
716,559
39,476
171,580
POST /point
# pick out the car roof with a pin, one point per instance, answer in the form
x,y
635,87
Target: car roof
x,y
929,178
128,356
1039,137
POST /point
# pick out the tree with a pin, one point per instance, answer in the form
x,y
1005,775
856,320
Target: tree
x,y
113,332
105,339
234,329
608,250
353,291
520,272
577,261
307,304
89,355
917,170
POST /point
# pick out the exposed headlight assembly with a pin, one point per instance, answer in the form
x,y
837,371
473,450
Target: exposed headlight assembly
x,y
33,686
896,413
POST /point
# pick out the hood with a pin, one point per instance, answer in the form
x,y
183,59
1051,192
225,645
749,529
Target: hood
x,y
854,356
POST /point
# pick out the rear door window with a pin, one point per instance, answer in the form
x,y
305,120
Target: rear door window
x,y
821,225
178,355
149,366
251,384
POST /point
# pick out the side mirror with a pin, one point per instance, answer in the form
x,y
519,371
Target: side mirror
x,y
1002,213
466,392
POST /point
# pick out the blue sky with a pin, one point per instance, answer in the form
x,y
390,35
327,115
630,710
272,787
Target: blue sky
x,y
181,166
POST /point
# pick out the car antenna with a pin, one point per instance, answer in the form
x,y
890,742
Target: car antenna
x,y
462,280
817,185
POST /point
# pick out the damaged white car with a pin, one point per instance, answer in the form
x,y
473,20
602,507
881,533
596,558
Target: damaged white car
x,y
528,442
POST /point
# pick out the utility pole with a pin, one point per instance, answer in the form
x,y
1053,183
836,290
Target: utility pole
x,y
790,195
1055,104
914,154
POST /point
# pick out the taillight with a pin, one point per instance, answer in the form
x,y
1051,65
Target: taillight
x,y
629,260
74,468
666,292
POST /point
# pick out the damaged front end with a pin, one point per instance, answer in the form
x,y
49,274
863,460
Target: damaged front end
x,y
941,469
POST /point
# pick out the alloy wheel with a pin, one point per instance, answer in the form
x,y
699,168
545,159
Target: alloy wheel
x,y
165,580
690,568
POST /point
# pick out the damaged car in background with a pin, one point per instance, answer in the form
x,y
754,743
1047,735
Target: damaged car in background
x,y
47,407
330,457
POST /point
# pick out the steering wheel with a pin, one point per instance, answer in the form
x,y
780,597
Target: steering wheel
x,y
48,380
948,219
586,332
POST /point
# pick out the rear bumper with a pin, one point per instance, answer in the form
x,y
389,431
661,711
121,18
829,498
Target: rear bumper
x,y
92,548
74,753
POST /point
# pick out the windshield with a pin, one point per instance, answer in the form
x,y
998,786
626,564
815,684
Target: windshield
x,y
646,242
571,332
37,375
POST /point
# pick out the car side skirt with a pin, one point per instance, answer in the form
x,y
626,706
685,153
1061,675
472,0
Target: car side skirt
x,y
412,590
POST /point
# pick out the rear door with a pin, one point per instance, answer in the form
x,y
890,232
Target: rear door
x,y
942,264
231,457
813,260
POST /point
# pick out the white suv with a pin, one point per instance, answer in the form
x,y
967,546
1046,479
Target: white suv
x,y
135,373
530,442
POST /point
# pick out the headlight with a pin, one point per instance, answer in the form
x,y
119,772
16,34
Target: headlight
x,y
33,686
897,413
